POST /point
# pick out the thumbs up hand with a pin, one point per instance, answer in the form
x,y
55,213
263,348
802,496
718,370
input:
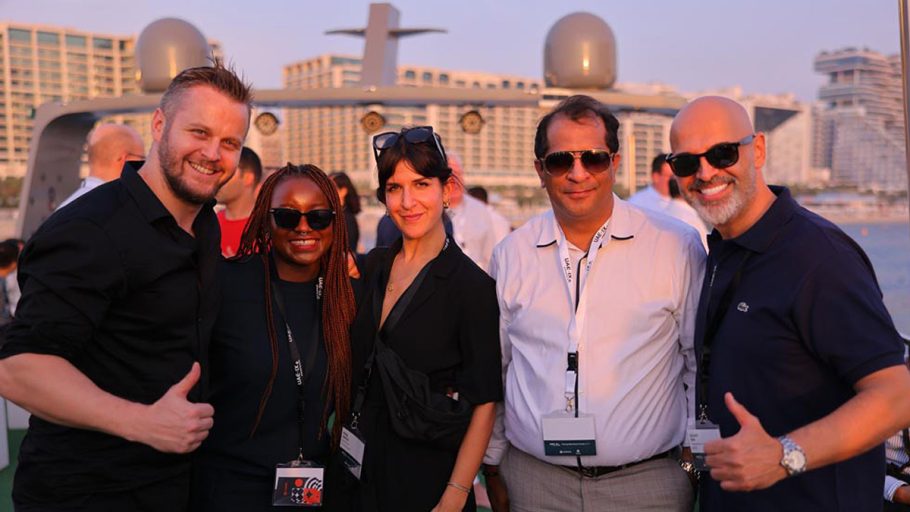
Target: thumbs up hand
x,y
174,424
748,460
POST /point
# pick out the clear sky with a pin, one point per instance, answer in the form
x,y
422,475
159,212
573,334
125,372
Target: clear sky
x,y
766,46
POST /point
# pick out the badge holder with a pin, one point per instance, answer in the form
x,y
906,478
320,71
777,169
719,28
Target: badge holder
x,y
298,483
352,447
567,432
703,432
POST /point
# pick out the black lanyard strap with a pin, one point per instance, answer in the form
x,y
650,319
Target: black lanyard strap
x,y
301,373
711,331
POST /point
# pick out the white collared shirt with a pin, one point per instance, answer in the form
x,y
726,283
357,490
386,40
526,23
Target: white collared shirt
x,y
88,183
650,199
477,229
635,346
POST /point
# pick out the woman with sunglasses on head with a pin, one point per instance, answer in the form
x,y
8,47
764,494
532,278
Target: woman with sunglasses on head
x,y
436,310
279,360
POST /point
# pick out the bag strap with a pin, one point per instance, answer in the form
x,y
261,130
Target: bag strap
x,y
394,316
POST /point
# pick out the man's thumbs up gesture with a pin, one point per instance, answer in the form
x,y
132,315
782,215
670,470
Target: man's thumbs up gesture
x,y
174,424
748,460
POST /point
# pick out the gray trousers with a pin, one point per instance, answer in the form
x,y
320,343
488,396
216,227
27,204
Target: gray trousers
x,y
536,486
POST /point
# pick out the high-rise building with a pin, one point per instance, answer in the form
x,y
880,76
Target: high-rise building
x,y
859,123
41,63
336,139
501,153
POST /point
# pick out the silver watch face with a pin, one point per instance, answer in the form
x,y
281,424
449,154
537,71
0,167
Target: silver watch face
x,y
794,460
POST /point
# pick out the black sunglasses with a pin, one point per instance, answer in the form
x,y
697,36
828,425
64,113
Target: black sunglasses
x,y
594,161
289,218
416,135
720,156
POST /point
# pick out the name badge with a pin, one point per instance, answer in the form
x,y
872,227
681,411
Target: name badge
x,y
703,432
298,484
564,434
352,447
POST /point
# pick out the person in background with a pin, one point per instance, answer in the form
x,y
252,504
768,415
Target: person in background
x,y
109,147
13,293
663,197
479,193
350,199
447,331
238,196
897,475
288,278
476,227
9,255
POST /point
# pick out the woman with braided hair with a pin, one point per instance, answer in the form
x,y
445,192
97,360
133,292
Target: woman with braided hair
x,y
280,360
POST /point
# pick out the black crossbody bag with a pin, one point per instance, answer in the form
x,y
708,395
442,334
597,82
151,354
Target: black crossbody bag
x,y
416,412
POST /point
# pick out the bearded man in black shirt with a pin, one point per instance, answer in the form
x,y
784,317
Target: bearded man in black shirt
x,y
118,301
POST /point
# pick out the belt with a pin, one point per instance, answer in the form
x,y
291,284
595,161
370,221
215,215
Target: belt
x,y
596,471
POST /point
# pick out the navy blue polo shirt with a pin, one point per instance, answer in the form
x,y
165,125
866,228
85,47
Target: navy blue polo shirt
x,y
805,323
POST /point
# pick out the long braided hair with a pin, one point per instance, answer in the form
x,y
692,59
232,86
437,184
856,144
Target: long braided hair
x,y
338,304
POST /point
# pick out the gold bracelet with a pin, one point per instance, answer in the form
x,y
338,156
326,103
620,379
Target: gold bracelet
x,y
459,487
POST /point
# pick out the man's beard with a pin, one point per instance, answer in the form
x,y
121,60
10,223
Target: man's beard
x,y
170,165
721,212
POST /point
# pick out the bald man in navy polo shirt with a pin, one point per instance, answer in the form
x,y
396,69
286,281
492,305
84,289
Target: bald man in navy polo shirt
x,y
805,376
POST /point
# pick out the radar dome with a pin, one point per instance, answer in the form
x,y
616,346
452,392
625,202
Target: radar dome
x,y
580,53
165,48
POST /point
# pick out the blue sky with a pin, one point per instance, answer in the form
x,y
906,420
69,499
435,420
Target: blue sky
x,y
764,46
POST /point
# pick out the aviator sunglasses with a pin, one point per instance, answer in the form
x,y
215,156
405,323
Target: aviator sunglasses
x,y
416,135
720,156
594,161
289,218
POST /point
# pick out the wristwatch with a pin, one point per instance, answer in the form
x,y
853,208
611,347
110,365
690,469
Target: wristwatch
x,y
794,459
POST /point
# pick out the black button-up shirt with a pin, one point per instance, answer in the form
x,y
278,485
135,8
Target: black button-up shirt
x,y
113,285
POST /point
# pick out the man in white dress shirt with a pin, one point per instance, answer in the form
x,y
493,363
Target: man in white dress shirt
x,y
476,227
109,147
656,196
663,196
598,303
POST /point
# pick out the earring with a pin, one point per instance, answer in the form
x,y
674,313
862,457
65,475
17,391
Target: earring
x,y
387,214
445,205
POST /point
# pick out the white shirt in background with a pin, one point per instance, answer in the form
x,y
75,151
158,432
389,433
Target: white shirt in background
x,y
477,228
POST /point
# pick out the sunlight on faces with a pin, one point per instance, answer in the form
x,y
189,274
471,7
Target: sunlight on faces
x,y
578,195
199,143
720,196
415,201
298,251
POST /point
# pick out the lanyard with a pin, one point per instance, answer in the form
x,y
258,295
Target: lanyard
x,y
577,320
713,324
301,374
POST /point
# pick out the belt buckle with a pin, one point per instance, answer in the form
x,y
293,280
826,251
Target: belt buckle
x,y
588,471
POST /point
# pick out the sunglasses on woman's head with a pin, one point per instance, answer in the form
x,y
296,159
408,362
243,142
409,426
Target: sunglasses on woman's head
x,y
289,218
416,135
594,161
720,156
